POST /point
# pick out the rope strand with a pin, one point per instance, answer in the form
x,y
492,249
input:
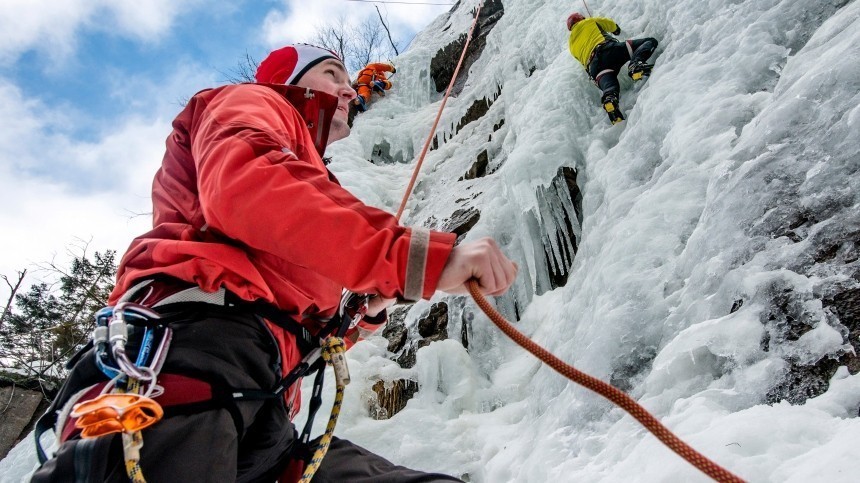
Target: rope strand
x,y
586,8
438,115
625,402
332,347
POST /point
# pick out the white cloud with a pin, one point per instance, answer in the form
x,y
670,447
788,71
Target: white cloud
x,y
51,27
44,212
298,19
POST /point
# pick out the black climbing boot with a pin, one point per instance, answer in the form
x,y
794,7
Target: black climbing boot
x,y
610,105
639,70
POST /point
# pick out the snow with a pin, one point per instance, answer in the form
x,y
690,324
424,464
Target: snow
x,y
750,116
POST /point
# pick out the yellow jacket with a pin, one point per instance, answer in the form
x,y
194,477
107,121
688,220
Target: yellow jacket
x,y
586,35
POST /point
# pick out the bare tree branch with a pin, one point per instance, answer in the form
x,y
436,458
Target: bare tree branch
x,y
358,45
336,36
393,46
8,308
245,71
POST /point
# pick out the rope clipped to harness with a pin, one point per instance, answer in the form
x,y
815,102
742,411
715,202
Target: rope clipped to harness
x,y
627,403
121,408
131,444
333,353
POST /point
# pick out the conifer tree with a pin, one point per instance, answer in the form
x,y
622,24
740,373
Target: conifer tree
x,y
50,322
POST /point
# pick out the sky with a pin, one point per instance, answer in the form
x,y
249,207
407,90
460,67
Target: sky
x,y
88,89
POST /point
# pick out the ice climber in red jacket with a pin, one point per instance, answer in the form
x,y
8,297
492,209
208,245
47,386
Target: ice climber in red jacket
x,y
253,240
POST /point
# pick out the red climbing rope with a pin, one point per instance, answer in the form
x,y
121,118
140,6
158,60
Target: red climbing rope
x,y
608,391
621,399
586,8
438,115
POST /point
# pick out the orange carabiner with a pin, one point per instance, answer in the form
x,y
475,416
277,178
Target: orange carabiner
x,y
115,413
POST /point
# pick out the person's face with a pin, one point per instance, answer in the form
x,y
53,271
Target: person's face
x,y
329,76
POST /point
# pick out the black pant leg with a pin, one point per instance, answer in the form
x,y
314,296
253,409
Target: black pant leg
x,y
608,60
346,461
642,49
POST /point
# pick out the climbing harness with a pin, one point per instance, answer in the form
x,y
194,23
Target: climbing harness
x,y
616,396
352,309
130,400
120,408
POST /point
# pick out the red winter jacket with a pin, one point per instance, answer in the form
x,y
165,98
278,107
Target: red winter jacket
x,y
244,201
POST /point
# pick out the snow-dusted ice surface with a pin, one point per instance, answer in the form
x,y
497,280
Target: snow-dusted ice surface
x,y
752,113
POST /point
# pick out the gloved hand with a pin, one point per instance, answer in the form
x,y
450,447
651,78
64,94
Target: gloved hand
x,y
380,86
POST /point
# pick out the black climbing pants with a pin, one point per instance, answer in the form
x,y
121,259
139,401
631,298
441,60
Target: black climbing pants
x,y
610,56
251,441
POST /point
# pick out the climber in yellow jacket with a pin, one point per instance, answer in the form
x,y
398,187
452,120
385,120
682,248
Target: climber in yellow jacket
x,y
372,78
593,44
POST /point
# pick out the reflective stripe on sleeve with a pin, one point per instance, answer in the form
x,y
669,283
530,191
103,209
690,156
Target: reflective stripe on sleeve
x,y
416,264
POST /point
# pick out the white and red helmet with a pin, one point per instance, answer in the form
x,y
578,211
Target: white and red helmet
x,y
288,64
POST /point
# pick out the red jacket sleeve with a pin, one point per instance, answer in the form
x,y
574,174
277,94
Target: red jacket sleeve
x,y
262,184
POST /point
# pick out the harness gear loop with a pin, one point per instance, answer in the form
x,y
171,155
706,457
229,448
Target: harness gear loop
x,y
627,403
333,353
118,410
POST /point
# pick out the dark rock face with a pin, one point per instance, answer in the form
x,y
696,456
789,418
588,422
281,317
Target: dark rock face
x,y
392,397
461,221
444,63
563,186
787,322
835,248
395,330
434,326
633,365
477,110
479,169
391,400
21,409
846,306
381,154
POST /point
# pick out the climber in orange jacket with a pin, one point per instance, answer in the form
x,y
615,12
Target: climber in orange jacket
x,y
372,78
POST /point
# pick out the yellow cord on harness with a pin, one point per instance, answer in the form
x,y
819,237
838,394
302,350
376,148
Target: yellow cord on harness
x,y
131,444
332,352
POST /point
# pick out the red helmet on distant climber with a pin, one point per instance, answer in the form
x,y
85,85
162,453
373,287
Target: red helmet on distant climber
x,y
574,17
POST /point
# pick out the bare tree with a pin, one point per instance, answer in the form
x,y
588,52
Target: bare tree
x,y
335,36
382,20
14,288
245,71
369,37
357,44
